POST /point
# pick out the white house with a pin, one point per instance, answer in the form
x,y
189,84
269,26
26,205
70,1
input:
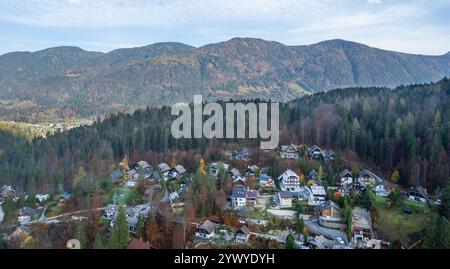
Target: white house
x,y
206,230
289,181
318,195
289,152
345,177
243,234
285,199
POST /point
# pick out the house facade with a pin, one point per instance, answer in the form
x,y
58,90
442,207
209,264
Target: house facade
x,y
289,152
206,230
289,181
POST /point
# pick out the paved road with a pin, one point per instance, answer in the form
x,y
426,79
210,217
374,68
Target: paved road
x,y
55,219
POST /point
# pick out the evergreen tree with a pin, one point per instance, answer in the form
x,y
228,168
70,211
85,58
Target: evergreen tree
x,y
98,242
80,234
290,242
120,236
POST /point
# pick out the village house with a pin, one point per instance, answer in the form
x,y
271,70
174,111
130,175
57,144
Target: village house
x,y
42,197
289,152
318,195
241,155
251,196
252,171
238,198
316,153
361,226
110,211
26,214
313,175
239,181
330,215
419,194
206,230
265,181
289,181
180,169
234,173
242,234
215,167
243,198
381,191
285,199
345,177
164,168
368,178
6,191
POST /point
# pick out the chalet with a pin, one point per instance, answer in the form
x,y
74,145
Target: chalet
x,y
381,191
142,210
132,175
110,212
361,226
131,183
173,174
6,191
180,169
345,177
239,181
318,195
330,215
206,230
42,197
25,214
313,175
155,176
242,198
289,181
242,234
252,170
265,181
357,188
368,178
241,155
315,153
419,194
251,196
164,168
215,167
239,198
285,199
234,173
328,154
143,167
289,152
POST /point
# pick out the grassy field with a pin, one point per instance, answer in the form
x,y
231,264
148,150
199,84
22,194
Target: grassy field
x,y
395,225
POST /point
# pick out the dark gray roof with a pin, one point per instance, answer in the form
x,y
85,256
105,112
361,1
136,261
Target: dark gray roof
x,y
344,173
244,230
208,226
328,204
239,192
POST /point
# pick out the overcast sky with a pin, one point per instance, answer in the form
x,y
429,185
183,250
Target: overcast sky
x,y
416,26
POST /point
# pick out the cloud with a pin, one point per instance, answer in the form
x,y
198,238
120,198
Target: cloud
x,y
197,22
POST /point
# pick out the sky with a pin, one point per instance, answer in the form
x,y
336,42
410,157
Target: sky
x,y
415,26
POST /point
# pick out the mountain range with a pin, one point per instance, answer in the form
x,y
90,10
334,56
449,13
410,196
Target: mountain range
x,y
91,83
